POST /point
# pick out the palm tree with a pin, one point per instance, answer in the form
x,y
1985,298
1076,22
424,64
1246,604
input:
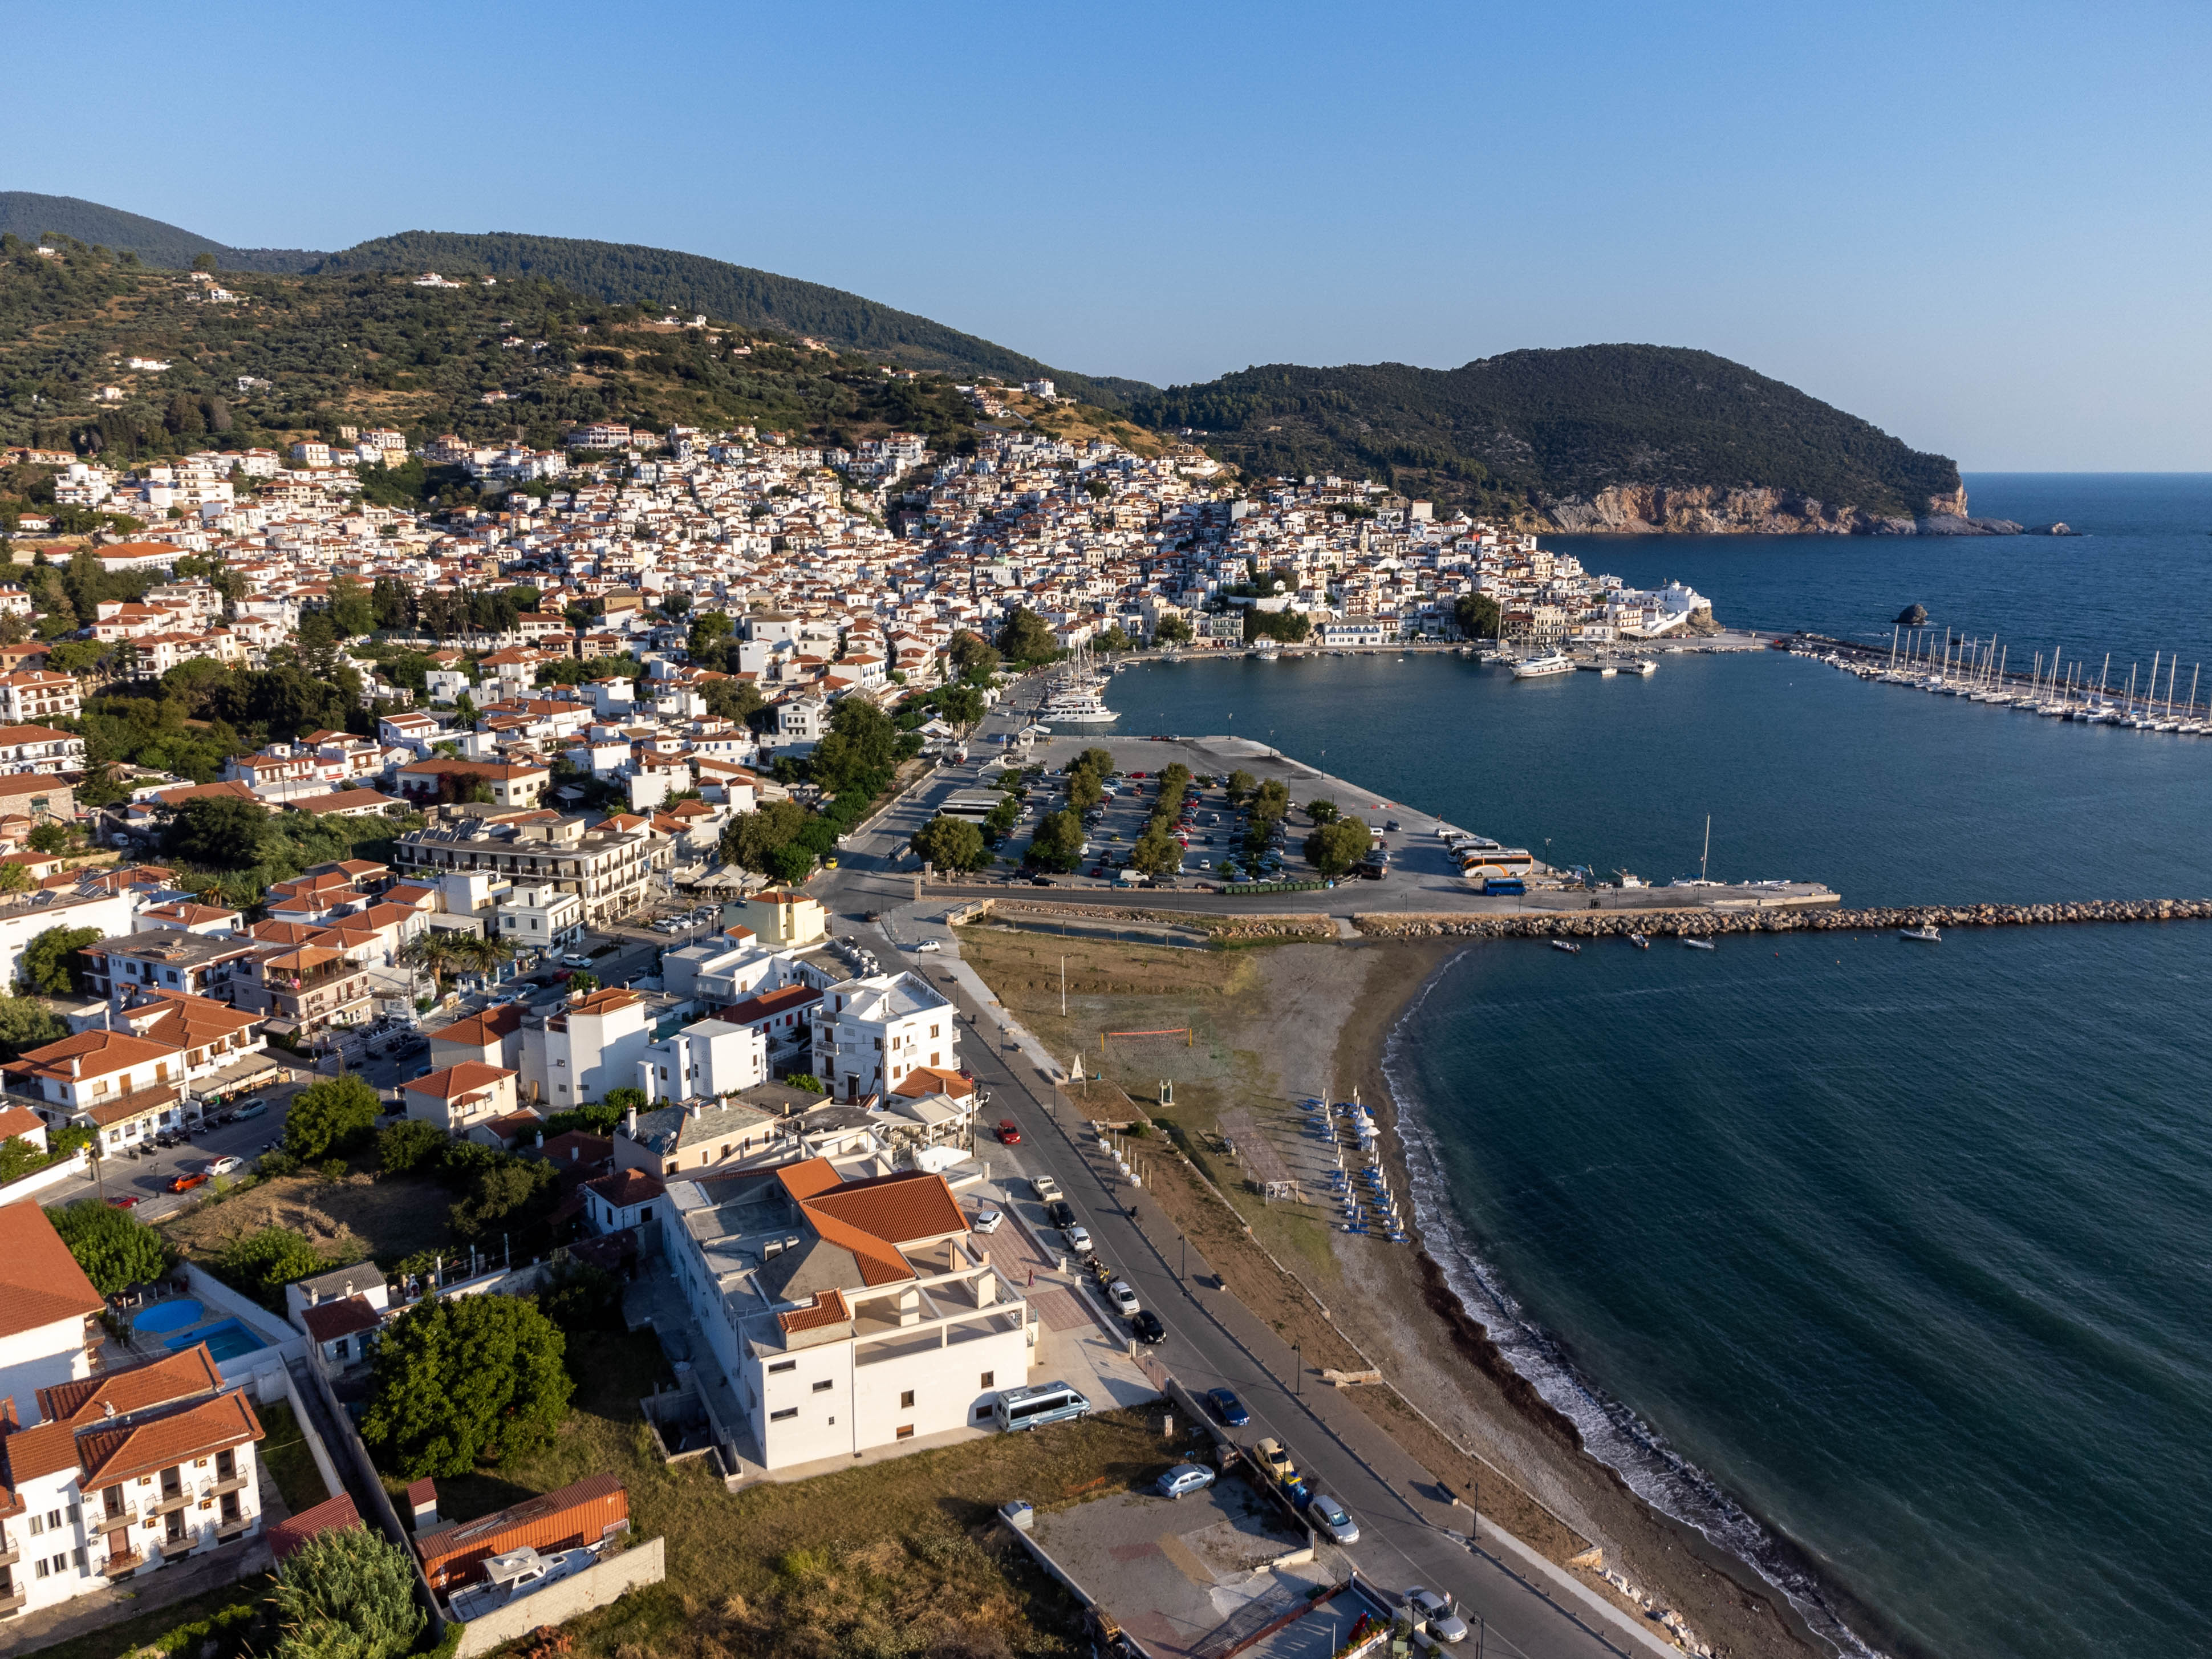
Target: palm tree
x,y
435,949
482,955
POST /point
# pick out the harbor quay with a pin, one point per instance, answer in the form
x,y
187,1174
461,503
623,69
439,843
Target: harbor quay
x,y
1424,874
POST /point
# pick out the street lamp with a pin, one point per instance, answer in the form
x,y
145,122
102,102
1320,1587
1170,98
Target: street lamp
x,y
1298,1372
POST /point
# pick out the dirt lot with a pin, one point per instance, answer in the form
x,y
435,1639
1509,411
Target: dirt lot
x,y
899,1557
361,1217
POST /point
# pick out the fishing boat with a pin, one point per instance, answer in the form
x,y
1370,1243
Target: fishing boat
x,y
1925,933
1696,944
1537,668
1568,945
1639,941
1643,667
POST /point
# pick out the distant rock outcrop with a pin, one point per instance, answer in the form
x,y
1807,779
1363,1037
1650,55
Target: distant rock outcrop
x,y
1703,510
1913,616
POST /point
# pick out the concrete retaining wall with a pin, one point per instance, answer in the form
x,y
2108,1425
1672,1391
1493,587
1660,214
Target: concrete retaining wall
x,y
557,1603
288,1390
69,1168
249,1313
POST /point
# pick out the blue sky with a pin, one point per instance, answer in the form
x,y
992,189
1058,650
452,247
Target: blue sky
x,y
1985,228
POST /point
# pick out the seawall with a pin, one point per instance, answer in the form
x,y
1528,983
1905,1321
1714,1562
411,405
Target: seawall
x,y
1702,922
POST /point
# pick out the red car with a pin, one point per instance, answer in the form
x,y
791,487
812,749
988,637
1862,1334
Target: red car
x,y
188,1180
127,1202
1010,1132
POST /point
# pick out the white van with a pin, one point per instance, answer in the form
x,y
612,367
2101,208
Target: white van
x,y
1033,1408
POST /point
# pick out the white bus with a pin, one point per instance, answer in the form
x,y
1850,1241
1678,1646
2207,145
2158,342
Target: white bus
x,y
973,804
1034,1407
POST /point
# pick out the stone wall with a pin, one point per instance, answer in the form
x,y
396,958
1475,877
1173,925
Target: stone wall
x,y
1618,924
594,1587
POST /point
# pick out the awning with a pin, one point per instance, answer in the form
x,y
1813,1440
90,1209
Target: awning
x,y
250,1072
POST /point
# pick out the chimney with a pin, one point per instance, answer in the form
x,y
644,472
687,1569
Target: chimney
x,y
422,1499
633,1123
541,1141
575,1152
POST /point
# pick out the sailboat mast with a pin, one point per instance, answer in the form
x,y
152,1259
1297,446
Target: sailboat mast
x,y
1706,857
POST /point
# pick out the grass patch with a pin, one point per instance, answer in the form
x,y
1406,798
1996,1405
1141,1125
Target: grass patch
x,y
902,1557
285,1455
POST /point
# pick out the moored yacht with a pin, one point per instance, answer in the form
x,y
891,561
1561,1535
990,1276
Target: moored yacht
x,y
1537,668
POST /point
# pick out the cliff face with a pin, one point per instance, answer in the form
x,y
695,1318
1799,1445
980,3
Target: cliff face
x,y
1706,510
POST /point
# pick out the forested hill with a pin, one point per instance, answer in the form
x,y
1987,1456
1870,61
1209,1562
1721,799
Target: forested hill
x,y
29,216
624,274
617,273
1539,427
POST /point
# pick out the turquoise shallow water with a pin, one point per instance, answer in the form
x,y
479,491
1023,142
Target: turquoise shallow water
x,y
1886,1264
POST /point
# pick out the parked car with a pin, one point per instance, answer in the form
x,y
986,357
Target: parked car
x,y
228,1163
1079,1239
1124,1297
1228,1408
1010,1132
1061,1213
574,959
1040,881
184,1181
127,1201
1274,1457
1183,1478
987,1221
1435,1612
1146,1327
257,1108
929,947
1045,1187
1332,1518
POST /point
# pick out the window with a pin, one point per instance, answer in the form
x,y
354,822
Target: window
x,y
788,1411
905,1432
825,1385
906,1401
990,1380
783,1365
933,1033
983,1414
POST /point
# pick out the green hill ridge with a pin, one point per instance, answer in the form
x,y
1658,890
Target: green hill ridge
x,y
1588,437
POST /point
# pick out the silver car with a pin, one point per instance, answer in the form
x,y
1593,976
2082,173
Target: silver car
x,y
1332,1518
1184,1477
1435,1611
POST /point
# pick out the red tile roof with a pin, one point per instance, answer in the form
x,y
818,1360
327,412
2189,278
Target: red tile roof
x,y
173,1377
40,1283
829,1308
326,1321
331,1514
457,1079
107,1455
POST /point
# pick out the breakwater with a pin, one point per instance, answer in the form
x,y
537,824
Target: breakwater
x,y
1702,923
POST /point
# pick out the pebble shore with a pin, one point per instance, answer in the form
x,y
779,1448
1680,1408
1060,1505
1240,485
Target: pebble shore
x,y
1704,923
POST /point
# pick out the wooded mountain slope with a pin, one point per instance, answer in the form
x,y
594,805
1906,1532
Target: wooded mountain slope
x,y
1541,426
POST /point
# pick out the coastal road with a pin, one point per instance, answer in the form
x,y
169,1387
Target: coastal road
x,y
1410,1532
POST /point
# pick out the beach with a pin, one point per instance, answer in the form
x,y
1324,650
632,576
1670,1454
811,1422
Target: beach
x,y
1273,1024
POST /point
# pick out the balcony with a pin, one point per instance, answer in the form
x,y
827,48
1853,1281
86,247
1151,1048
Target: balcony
x,y
11,1553
127,1561
230,1529
14,1602
216,1488
167,1502
114,1520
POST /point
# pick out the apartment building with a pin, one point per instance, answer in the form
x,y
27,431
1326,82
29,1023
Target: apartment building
x,y
707,1058
32,695
870,1033
125,1473
609,867
44,1303
40,748
595,1043
846,1314
461,1098
440,778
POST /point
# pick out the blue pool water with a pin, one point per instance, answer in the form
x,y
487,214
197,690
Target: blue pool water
x,y
225,1341
164,1316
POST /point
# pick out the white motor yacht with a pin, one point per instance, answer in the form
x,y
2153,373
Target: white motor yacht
x,y
1537,668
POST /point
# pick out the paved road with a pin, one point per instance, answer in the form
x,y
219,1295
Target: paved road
x,y
1410,1533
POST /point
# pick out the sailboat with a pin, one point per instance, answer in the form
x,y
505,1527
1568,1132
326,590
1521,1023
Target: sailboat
x,y
1700,879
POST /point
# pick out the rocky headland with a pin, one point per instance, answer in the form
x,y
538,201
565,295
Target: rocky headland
x,y
1634,509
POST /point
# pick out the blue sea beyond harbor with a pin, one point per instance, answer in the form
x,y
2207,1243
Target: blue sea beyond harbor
x,y
1903,1250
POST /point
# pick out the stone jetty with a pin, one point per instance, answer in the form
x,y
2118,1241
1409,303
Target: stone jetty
x,y
1705,923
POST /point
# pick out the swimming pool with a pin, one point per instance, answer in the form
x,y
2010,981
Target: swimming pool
x,y
164,1316
226,1340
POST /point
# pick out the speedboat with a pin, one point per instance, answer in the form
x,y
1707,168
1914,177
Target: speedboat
x,y
1639,941
1696,944
1925,933
1568,945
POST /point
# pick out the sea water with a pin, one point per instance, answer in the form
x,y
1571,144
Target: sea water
x,y
1885,1263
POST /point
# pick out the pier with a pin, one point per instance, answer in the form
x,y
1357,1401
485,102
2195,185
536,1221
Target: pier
x,y
1979,670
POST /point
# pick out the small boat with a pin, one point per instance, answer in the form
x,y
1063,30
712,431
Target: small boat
x,y
1568,945
1639,941
1696,944
1925,933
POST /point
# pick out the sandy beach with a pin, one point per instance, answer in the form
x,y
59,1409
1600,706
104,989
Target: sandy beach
x,y
1273,1023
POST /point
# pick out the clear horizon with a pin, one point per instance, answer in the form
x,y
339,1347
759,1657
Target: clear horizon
x,y
1981,229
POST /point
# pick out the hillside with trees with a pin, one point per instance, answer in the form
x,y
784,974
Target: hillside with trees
x,y
1529,428
292,355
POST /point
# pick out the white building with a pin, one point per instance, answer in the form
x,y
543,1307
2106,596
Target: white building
x,y
713,1057
594,1044
44,1303
538,914
870,1033
846,1314
125,1473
